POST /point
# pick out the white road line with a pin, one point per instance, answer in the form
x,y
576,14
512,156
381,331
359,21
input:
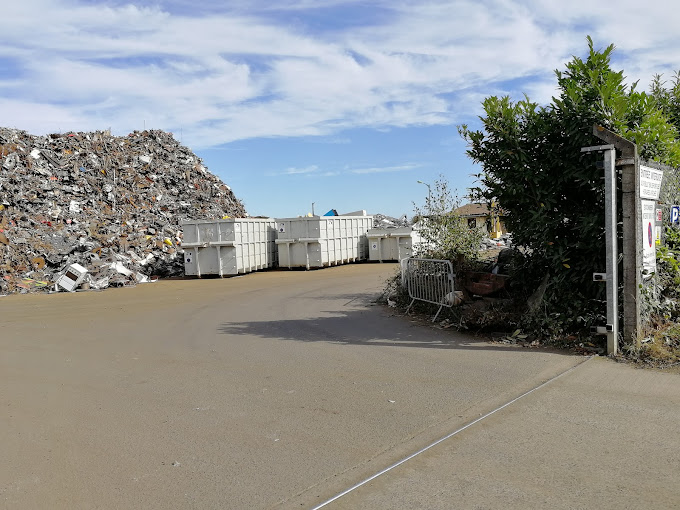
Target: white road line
x,y
399,463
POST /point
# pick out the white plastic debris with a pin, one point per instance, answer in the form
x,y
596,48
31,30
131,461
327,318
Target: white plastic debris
x,y
454,298
72,278
101,283
120,268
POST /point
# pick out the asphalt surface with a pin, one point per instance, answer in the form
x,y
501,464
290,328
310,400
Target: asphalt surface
x,y
282,389
602,436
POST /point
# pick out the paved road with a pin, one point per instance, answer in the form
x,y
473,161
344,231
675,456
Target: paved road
x,y
282,389
602,436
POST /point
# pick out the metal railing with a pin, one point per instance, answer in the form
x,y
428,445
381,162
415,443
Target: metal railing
x,y
429,280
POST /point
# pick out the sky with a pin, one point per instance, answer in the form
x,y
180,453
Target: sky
x,y
301,104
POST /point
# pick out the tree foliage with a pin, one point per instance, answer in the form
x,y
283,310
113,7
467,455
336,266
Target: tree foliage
x,y
667,99
552,194
444,233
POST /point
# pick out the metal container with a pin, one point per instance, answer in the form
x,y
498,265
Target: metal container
x,y
392,243
322,241
228,247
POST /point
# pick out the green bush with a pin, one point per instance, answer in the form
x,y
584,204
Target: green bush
x,y
551,193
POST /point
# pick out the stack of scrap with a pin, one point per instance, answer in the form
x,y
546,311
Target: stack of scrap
x,y
384,221
111,204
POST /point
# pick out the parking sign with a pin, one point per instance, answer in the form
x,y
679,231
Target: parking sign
x,y
675,214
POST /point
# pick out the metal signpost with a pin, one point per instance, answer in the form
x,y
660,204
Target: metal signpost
x,y
631,230
640,187
611,276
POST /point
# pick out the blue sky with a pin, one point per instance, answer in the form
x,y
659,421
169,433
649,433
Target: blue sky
x,y
343,103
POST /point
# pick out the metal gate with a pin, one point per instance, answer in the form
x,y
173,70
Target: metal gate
x,y
429,280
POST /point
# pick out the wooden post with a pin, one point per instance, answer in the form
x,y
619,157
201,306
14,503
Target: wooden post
x,y
632,231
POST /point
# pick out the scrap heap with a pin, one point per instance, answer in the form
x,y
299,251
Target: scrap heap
x,y
111,204
384,221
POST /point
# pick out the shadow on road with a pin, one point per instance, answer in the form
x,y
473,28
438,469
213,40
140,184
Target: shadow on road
x,y
361,327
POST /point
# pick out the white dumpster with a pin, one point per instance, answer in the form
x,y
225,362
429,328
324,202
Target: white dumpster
x,y
228,247
321,241
392,243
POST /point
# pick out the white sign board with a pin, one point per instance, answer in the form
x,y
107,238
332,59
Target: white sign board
x,y
650,182
648,236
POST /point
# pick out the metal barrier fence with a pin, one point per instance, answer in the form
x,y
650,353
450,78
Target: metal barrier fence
x,y
429,280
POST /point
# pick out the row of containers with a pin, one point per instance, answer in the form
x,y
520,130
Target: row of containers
x,y
242,245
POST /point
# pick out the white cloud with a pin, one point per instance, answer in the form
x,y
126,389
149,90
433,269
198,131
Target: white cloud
x,y
237,73
336,140
306,170
315,171
51,118
386,169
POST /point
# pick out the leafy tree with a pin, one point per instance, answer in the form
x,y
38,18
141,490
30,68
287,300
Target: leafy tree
x,y
667,99
445,234
552,194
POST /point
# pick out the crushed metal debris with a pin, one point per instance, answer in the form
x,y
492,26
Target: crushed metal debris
x,y
110,204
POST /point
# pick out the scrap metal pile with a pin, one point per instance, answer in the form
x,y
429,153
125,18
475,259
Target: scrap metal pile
x,y
111,204
384,221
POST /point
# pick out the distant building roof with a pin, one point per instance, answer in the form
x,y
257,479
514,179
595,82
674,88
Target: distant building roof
x,y
471,210
474,211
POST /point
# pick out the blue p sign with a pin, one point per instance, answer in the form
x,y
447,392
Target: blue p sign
x,y
675,214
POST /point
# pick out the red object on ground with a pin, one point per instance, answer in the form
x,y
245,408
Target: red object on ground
x,y
485,284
